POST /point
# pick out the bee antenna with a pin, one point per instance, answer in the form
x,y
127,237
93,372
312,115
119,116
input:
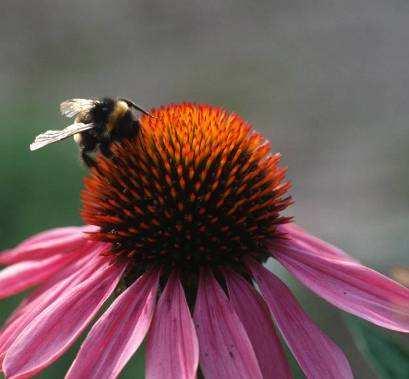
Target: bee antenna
x,y
137,107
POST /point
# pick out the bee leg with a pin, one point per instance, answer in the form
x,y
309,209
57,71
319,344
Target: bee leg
x,y
87,144
87,159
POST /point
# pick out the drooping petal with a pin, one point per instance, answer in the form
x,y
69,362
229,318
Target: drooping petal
x,y
225,349
20,276
349,285
33,306
41,288
256,319
57,233
49,235
172,348
47,244
118,333
304,239
89,259
316,354
52,332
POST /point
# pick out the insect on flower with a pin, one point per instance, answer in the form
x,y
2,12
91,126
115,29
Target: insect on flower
x,y
98,123
181,221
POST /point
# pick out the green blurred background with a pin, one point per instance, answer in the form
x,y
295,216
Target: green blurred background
x,y
326,81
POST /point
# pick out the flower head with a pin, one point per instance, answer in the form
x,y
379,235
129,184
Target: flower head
x,y
198,189
181,219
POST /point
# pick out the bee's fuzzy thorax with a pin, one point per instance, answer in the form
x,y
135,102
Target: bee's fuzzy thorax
x,y
119,111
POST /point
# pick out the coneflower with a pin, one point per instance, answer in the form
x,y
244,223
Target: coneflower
x,y
180,221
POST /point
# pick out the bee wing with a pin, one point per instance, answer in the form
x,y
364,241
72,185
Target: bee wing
x,y
51,136
72,107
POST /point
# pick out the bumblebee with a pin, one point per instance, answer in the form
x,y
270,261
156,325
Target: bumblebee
x,y
97,124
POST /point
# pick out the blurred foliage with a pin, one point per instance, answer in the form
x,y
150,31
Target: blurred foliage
x,y
388,356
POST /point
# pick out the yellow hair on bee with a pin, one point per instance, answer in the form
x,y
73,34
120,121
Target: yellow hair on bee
x,y
119,111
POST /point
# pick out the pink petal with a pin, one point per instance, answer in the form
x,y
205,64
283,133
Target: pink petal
x,y
52,332
349,286
30,309
256,319
89,257
118,333
92,258
172,348
54,233
225,349
302,238
47,244
316,354
20,276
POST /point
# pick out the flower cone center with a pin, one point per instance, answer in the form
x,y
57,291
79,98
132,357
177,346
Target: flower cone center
x,y
198,187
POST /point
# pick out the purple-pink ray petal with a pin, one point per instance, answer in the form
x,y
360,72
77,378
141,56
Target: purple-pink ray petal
x,y
92,258
53,331
50,234
349,285
20,276
316,354
225,349
57,233
33,306
256,319
304,239
47,244
118,333
172,348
